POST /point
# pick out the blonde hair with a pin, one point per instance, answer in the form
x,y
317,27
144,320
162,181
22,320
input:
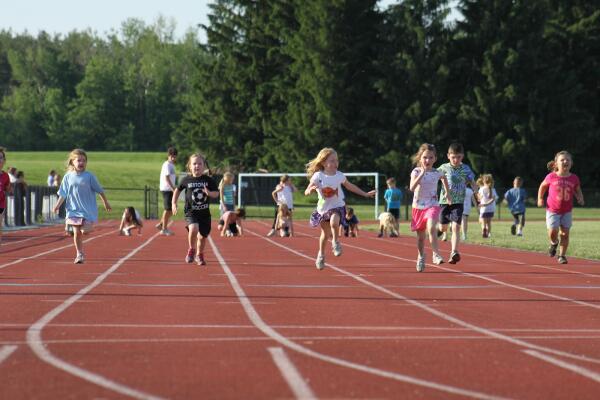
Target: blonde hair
x,y
552,164
227,176
316,164
422,149
387,221
188,165
284,210
485,179
284,178
73,156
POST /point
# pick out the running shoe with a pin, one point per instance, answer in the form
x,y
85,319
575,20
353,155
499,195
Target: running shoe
x,y
200,259
420,264
166,232
513,229
80,259
484,233
320,262
159,226
454,257
189,258
271,233
552,249
337,248
380,234
437,259
126,232
562,260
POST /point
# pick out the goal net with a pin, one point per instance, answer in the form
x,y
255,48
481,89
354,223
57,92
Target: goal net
x,y
255,190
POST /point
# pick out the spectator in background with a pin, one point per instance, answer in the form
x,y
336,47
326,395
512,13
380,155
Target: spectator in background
x,y
20,182
167,187
57,180
51,178
12,174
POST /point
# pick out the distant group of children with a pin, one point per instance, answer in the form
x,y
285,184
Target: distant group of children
x,y
431,216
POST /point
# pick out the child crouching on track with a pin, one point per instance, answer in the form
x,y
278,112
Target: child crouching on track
x,y
130,220
387,225
283,223
349,223
78,191
232,223
199,188
426,208
327,181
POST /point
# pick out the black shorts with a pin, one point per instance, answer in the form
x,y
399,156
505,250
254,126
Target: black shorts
x,y
203,222
451,213
519,218
167,200
395,212
2,211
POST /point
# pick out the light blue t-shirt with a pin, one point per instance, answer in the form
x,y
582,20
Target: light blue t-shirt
x,y
393,198
79,192
515,198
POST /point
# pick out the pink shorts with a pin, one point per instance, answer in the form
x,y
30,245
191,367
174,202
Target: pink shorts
x,y
420,217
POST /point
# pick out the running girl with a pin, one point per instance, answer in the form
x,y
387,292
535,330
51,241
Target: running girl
x,y
327,181
561,186
198,189
78,191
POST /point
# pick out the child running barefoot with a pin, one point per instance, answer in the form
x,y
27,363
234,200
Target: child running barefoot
x,y
487,203
561,186
78,191
426,208
327,181
130,220
198,189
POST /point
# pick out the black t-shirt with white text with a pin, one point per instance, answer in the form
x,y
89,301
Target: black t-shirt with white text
x,y
196,201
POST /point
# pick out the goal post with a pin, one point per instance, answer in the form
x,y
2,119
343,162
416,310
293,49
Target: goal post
x,y
247,194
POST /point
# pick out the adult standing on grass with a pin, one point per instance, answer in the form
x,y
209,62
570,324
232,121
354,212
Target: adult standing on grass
x,y
561,186
167,187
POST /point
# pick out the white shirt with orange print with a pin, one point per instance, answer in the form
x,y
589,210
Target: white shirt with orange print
x,y
329,189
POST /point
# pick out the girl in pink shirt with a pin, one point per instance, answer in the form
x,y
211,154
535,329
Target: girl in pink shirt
x,y
561,186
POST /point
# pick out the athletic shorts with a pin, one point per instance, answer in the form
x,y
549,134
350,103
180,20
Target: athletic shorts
x,y
489,214
420,217
554,220
452,213
203,222
395,212
83,224
167,200
519,218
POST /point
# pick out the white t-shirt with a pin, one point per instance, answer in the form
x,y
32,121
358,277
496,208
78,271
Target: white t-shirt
x,y
285,195
484,197
468,201
329,190
426,192
168,169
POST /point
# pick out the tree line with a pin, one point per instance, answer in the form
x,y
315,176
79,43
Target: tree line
x,y
276,80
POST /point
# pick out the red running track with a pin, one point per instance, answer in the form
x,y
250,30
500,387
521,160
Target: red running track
x,y
261,322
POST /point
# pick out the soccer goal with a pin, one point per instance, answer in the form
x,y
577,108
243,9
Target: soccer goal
x,y
255,189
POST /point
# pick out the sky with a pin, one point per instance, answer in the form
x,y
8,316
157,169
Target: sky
x,y
102,16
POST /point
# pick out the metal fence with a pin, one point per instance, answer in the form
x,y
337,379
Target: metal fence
x,y
35,204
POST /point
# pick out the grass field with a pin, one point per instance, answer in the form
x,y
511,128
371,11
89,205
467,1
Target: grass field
x,y
124,176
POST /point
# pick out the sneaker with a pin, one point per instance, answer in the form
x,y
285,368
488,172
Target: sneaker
x,y
437,259
126,232
463,237
484,233
513,229
271,233
159,226
380,234
166,232
454,257
79,259
393,235
420,264
552,249
337,248
320,262
200,259
519,233
189,258
562,260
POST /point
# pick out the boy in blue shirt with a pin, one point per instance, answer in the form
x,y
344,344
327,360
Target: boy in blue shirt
x,y
515,198
393,200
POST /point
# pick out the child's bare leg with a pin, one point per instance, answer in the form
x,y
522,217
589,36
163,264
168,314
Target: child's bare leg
x,y
455,237
433,239
564,241
335,225
421,243
201,243
465,225
553,236
78,239
192,233
325,229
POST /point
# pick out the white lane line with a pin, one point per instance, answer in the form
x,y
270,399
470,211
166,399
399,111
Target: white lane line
x,y
559,363
6,351
268,330
37,255
291,374
35,342
440,314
